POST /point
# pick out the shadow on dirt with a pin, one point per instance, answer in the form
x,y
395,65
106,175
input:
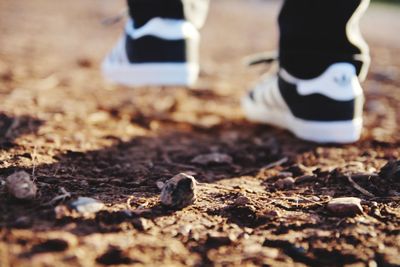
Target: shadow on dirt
x,y
13,127
114,173
132,168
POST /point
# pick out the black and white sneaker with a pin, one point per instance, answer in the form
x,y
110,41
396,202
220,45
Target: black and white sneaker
x,y
326,109
161,52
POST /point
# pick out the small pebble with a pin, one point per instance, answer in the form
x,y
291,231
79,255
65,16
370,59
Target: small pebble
x,y
305,179
345,206
23,222
216,158
272,213
285,174
286,183
179,191
241,201
21,186
87,205
160,185
184,230
315,198
374,204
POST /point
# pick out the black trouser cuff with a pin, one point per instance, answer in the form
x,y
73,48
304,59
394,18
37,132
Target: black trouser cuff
x,y
144,10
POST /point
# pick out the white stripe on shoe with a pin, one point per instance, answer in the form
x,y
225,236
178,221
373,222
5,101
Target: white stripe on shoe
x,y
167,29
339,82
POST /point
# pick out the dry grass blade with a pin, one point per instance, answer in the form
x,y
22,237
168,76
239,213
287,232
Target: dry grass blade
x,y
274,164
64,195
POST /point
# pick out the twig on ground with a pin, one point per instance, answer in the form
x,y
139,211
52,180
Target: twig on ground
x,y
57,169
303,198
266,167
340,221
34,158
359,188
64,194
274,164
313,201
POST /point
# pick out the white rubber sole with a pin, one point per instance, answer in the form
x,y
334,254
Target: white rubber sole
x,y
341,132
161,74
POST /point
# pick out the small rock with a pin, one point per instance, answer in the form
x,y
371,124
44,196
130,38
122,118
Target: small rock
x,y
272,214
285,183
87,205
21,186
374,204
160,185
283,175
179,191
184,230
345,206
242,201
23,222
213,158
315,198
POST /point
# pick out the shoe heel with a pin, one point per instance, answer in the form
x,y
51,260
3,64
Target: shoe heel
x,y
341,132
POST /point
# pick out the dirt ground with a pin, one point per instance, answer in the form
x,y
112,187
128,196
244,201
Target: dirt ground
x,y
73,132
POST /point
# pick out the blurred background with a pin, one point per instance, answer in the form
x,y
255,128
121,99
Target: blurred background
x,y
67,41
50,51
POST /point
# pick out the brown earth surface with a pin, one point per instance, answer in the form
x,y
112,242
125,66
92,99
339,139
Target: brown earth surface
x,y
74,133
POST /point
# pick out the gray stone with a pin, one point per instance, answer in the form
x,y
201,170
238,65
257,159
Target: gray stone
x,y
213,158
345,206
242,201
286,183
21,186
179,191
87,205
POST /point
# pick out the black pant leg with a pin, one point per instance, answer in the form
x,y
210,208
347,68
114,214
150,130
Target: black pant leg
x,y
194,11
317,33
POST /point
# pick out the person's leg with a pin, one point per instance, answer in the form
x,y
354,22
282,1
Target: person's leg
x,y
194,11
160,45
321,33
316,94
